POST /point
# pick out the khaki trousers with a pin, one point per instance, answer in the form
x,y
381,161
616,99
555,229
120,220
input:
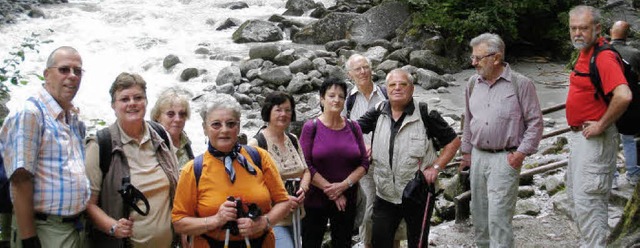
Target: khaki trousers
x,y
52,233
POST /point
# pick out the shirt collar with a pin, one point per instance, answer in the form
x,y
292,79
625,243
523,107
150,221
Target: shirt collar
x,y
408,110
126,139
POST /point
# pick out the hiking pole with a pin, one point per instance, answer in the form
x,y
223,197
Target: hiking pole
x,y
424,219
226,238
297,231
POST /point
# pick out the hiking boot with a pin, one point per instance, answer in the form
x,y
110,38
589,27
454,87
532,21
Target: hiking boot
x,y
633,180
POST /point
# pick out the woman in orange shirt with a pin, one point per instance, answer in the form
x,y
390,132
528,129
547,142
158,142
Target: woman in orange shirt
x,y
201,207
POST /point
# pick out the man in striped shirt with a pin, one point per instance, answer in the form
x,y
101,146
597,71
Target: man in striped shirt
x,y
502,125
44,159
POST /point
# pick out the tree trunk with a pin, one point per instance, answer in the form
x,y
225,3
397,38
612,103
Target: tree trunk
x,y
627,231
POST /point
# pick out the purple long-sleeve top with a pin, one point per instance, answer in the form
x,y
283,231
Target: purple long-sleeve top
x,y
334,154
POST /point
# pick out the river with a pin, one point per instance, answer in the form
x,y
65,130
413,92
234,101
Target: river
x,y
117,36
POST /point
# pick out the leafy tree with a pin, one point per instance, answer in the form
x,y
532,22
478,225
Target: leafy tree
x,y
10,68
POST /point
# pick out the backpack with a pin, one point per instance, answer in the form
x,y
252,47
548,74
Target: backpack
x,y
629,122
253,153
352,98
104,143
262,141
5,185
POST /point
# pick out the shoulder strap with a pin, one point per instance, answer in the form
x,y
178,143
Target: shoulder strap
x,y
424,115
262,141
594,73
197,168
349,102
293,139
104,145
189,151
384,92
160,131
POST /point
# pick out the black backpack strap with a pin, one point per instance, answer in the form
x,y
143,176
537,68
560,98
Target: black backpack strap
x,y
424,114
384,91
160,131
349,103
594,73
262,141
197,168
105,147
189,151
293,139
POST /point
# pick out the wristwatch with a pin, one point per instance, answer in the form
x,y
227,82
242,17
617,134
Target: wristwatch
x,y
112,230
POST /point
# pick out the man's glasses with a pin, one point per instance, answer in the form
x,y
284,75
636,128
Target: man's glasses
x,y
65,70
216,125
478,58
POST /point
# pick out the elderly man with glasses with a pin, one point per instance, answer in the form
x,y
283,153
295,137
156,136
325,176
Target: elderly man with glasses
x,y
44,159
502,125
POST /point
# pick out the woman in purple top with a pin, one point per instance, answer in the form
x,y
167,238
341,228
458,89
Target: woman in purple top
x,y
336,156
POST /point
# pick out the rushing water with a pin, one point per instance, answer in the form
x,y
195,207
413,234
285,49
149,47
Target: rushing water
x,y
116,36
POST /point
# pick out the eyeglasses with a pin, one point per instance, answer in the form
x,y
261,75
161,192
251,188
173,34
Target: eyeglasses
x,y
171,114
216,125
478,58
361,68
65,70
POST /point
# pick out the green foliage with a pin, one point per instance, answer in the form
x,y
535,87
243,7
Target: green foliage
x,y
10,68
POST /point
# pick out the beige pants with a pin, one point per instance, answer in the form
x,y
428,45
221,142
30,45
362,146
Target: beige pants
x,y
589,177
52,233
494,191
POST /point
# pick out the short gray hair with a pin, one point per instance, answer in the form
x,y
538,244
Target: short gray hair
x,y
51,61
347,66
171,96
221,101
493,42
581,9
402,71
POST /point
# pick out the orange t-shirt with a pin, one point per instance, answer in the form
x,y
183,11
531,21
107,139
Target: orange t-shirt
x,y
581,105
214,187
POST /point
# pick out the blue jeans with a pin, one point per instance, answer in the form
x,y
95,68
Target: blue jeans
x,y
284,236
630,155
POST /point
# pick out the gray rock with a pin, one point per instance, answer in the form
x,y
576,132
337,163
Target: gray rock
x,y
304,53
209,88
257,83
334,45
303,65
319,62
36,13
376,54
234,5
322,53
388,65
549,122
401,55
428,60
553,184
266,52
257,31
277,76
451,186
299,84
247,65
379,22
449,78
443,90
244,88
331,27
526,191
298,7
285,57
229,23
170,61
429,79
230,74
253,74
316,82
319,12
276,18
189,73
528,207
226,89
445,209
202,50
292,23
242,98
332,71
314,74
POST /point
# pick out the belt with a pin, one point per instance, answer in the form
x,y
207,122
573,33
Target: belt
x,y
508,149
56,218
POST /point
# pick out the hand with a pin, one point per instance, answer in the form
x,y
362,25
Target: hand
x,y
184,240
341,203
124,228
368,149
297,201
465,162
515,159
592,128
334,190
226,212
248,227
430,174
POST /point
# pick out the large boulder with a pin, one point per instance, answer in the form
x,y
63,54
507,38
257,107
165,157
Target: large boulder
x,y
247,65
229,74
334,45
298,7
299,84
331,27
276,76
257,31
266,52
189,73
229,23
428,60
170,61
379,22
400,55
303,65
429,79
376,55
285,57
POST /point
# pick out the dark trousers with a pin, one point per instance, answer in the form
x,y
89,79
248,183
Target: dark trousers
x,y
314,226
387,216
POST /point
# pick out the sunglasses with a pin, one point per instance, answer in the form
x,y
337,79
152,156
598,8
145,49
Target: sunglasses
x,y
216,125
65,70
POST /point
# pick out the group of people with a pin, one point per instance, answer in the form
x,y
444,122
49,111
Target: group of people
x,y
138,183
